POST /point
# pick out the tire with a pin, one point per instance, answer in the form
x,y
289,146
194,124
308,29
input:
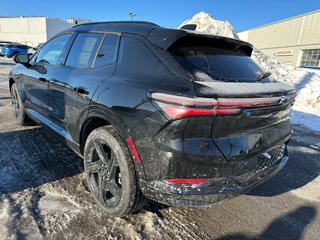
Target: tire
x,y
110,173
18,109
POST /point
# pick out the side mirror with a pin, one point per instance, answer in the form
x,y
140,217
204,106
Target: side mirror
x,y
22,58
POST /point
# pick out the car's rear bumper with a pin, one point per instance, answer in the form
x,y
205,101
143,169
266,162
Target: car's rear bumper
x,y
216,189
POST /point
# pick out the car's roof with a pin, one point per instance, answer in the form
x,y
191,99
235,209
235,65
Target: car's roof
x,y
159,36
11,43
134,27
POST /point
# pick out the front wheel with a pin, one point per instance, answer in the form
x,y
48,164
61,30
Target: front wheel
x,y
110,173
18,110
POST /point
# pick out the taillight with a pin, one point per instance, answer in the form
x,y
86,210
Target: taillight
x,y
177,107
179,112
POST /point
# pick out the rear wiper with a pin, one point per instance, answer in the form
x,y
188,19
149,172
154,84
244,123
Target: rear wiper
x,y
263,76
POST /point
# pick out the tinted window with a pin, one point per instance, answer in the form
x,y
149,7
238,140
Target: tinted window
x,y
108,51
51,52
139,63
83,50
215,64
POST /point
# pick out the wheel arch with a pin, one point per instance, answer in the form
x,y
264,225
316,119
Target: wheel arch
x,y
11,82
89,125
101,116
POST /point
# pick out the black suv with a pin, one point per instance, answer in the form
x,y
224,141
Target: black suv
x,y
175,116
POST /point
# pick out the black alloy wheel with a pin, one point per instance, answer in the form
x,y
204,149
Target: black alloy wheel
x,y
18,110
110,173
104,175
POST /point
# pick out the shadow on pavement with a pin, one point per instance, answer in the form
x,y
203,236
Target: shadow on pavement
x,y
32,157
7,63
281,228
302,167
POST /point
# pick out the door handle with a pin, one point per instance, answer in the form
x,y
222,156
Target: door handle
x,y
42,79
81,90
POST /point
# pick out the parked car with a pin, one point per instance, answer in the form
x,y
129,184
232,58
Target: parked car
x,y
175,116
11,50
32,50
2,44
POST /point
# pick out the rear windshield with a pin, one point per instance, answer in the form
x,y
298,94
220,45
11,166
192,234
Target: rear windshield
x,y
216,64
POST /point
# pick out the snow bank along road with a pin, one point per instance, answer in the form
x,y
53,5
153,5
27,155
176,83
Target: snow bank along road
x,y
43,194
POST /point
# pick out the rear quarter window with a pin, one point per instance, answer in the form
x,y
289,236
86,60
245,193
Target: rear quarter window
x,y
138,61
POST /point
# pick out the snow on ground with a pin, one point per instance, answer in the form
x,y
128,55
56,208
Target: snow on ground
x,y
306,110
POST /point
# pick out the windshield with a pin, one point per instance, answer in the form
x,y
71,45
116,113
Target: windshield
x,y
7,45
216,64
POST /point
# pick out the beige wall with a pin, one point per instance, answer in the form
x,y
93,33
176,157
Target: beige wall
x,y
31,30
24,30
55,26
291,35
244,36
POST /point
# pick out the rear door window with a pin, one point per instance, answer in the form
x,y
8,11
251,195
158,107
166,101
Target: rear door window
x,y
84,50
216,64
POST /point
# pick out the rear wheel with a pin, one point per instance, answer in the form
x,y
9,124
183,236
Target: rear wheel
x,y
110,173
18,110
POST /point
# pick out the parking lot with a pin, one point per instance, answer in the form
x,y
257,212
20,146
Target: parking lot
x,y
43,194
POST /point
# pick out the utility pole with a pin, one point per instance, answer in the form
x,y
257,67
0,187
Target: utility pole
x,y
132,14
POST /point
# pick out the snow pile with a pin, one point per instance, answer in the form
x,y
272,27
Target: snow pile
x,y
307,84
206,23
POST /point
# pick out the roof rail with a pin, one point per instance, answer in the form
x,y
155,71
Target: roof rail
x,y
119,22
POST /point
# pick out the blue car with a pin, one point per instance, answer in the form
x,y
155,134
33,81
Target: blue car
x,y
12,49
3,44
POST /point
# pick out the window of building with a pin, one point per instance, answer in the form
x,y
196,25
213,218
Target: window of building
x,y
108,51
310,58
83,50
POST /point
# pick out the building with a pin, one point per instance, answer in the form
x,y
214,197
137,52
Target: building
x,y
295,40
78,20
33,30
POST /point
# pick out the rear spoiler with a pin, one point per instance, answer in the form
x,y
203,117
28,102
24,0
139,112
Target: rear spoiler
x,y
166,38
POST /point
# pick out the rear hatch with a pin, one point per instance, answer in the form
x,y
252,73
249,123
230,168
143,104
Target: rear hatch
x,y
252,109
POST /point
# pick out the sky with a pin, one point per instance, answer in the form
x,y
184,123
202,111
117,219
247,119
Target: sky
x,y
242,14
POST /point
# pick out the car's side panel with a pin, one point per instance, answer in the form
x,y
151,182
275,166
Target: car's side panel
x,y
138,72
34,83
125,94
72,88
70,94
